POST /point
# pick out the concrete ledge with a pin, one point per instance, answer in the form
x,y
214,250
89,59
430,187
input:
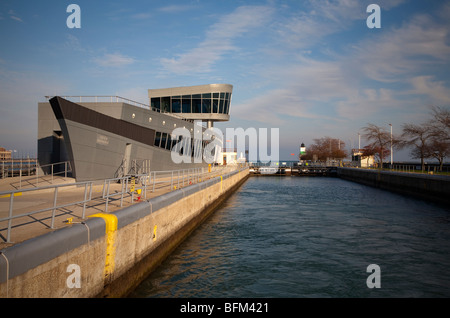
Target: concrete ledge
x,y
132,213
39,250
428,187
141,236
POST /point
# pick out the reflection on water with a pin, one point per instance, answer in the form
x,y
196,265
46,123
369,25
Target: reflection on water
x,y
310,237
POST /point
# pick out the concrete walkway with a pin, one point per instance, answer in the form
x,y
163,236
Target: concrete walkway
x,y
27,227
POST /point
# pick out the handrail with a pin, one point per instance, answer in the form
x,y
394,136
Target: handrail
x,y
12,194
173,178
118,99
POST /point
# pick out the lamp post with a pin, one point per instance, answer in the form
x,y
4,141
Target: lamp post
x,y
392,155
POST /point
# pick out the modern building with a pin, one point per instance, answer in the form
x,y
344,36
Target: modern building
x,y
110,136
5,154
208,103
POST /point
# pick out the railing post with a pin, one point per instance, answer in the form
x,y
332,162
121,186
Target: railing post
x,y
8,238
84,202
107,198
54,207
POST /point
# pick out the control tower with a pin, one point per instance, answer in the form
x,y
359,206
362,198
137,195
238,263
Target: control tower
x,y
208,103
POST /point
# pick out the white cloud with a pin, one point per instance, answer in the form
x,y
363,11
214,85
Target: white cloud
x,y
218,40
176,8
14,16
114,60
367,79
436,91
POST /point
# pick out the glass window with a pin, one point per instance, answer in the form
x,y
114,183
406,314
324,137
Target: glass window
x,y
206,95
186,101
165,104
157,139
163,140
221,106
176,104
222,95
196,104
226,96
174,142
206,105
169,142
215,95
215,106
156,103
227,107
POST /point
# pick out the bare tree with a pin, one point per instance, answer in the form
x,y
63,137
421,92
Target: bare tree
x,y
379,138
418,137
326,148
439,147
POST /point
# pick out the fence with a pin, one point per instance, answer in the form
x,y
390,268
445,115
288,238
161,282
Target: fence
x,y
53,208
158,180
27,167
130,186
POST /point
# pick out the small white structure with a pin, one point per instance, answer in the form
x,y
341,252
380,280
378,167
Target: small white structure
x,y
228,157
358,160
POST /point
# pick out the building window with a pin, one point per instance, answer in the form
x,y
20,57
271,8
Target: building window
x,y
156,103
221,105
206,105
176,104
197,103
215,106
186,104
165,104
157,139
163,140
169,142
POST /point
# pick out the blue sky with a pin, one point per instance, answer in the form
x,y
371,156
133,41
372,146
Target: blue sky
x,y
308,67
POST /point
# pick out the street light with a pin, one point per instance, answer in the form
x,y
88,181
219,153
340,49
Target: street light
x,y
392,155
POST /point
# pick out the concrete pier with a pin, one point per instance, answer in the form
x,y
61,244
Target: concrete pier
x,y
110,253
429,187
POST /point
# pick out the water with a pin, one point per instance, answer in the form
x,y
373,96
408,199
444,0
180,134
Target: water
x,y
310,237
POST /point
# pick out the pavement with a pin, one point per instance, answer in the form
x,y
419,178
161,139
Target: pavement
x,y
69,197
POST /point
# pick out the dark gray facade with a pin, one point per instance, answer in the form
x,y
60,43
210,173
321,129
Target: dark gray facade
x,y
108,139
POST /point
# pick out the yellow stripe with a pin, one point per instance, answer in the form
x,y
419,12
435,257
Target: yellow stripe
x,y
9,195
111,231
154,233
221,183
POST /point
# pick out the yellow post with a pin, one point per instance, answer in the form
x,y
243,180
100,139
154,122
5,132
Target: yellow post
x,y
209,167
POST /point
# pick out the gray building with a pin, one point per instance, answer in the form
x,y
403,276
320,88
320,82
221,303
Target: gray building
x,y
109,136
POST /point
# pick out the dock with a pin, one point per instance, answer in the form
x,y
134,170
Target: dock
x,y
301,171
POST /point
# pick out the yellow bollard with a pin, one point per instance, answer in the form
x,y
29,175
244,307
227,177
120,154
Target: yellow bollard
x,y
209,168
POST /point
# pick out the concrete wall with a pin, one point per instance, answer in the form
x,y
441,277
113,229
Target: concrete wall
x,y
111,253
429,187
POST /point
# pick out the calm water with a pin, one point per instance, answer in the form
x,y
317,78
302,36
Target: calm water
x,y
310,237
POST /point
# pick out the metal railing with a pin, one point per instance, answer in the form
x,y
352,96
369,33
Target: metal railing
x,y
130,186
158,180
49,170
53,208
114,99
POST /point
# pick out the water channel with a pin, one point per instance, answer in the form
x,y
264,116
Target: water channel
x,y
304,237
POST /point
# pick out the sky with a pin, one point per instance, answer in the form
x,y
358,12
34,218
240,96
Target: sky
x,y
310,68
